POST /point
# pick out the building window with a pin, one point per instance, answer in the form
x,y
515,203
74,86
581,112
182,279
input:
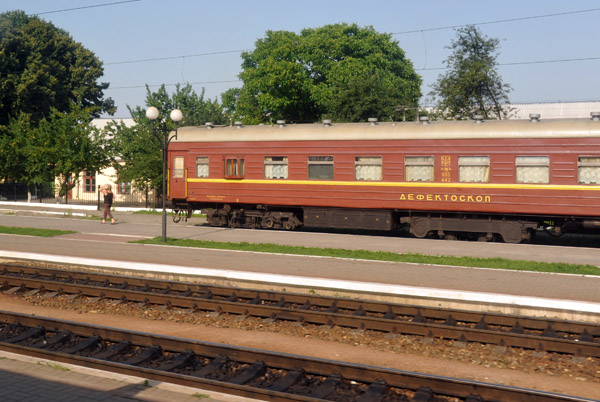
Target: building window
x,y
124,187
202,166
234,168
474,169
320,167
276,167
89,179
178,167
418,168
368,168
588,170
532,169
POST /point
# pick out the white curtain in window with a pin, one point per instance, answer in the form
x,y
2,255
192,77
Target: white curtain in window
x,y
202,166
275,171
368,168
368,172
419,173
474,169
202,170
532,169
419,168
178,167
589,174
589,170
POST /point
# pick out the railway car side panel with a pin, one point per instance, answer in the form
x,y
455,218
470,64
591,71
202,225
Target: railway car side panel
x,y
333,181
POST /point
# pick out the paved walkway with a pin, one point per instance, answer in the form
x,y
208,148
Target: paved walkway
x,y
106,245
27,379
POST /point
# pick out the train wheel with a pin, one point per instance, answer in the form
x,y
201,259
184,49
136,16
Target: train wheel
x,y
289,225
485,237
267,223
450,236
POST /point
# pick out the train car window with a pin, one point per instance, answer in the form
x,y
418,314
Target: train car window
x,y
368,168
178,167
532,169
202,166
276,167
234,168
320,167
474,169
418,168
588,170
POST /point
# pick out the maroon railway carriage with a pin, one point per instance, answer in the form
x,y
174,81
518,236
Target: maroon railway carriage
x,y
476,179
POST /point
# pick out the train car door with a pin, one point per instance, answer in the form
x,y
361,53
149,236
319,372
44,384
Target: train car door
x,y
178,178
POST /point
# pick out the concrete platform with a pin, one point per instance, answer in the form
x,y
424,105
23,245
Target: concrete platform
x,y
106,247
28,379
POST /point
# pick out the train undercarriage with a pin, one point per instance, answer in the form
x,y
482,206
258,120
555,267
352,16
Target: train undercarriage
x,y
444,225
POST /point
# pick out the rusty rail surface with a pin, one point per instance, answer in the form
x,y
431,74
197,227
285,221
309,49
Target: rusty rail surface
x,y
542,334
240,371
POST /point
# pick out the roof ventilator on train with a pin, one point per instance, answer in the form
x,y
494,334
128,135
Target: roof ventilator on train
x,y
373,121
327,123
281,123
595,116
424,119
238,124
209,125
534,117
478,118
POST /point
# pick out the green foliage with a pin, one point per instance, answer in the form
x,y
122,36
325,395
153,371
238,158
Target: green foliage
x,y
59,145
48,96
33,231
140,149
472,84
42,67
342,72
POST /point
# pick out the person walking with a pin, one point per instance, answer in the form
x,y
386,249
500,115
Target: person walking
x,y
108,200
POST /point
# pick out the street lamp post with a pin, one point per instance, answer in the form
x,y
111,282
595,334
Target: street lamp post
x,y
165,139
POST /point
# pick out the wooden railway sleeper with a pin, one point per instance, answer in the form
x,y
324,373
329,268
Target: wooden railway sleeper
x,y
290,379
83,345
375,392
256,369
182,360
60,337
327,387
145,355
212,367
30,333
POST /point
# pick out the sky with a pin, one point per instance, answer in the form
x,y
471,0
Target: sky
x,y
552,58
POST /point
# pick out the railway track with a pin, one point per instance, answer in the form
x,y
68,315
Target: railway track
x,y
541,334
240,371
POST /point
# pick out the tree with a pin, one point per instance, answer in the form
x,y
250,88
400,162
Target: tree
x,y
66,144
140,150
47,80
340,71
472,84
59,146
42,67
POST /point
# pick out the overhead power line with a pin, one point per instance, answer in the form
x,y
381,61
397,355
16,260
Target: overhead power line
x,y
172,85
499,21
519,63
84,7
175,57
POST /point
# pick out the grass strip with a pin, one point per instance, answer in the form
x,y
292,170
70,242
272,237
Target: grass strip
x,y
497,263
34,231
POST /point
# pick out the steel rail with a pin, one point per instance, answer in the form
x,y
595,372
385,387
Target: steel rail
x,y
540,334
236,370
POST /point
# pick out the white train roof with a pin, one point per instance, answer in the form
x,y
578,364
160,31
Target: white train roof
x,y
549,128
